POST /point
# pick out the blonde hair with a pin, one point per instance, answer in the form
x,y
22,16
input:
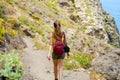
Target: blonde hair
x,y
57,30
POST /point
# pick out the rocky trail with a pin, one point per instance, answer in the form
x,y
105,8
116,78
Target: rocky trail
x,y
37,66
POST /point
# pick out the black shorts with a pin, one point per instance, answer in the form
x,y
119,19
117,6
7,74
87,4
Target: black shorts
x,y
54,56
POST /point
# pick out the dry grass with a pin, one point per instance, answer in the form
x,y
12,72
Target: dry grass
x,y
39,45
97,76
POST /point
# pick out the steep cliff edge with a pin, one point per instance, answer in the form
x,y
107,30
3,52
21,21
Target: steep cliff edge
x,y
93,20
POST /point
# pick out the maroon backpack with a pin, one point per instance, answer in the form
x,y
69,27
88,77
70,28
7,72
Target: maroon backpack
x,y
59,47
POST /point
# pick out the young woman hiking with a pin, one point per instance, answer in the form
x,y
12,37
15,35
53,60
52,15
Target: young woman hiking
x,y
57,35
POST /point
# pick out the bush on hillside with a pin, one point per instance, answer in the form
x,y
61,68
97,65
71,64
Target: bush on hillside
x,y
2,30
11,66
11,1
78,60
2,10
13,23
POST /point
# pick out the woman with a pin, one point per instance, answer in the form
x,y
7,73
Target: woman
x,y
57,60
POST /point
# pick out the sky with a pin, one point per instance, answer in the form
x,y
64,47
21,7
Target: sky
x,y
113,8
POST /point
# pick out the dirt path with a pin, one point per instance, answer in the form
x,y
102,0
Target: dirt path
x,y
39,68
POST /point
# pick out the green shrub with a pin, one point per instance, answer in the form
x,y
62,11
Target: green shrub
x,y
2,10
65,23
91,20
106,47
13,23
34,1
38,29
44,39
48,29
8,30
36,16
73,37
11,1
41,21
2,29
78,60
12,32
38,45
11,66
26,21
115,44
23,20
52,5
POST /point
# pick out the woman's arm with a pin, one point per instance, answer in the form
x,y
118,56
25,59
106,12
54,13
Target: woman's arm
x,y
65,41
49,53
50,47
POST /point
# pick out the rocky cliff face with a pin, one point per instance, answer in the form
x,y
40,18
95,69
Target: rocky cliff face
x,y
108,64
95,20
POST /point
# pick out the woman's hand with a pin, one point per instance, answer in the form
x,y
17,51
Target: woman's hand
x,y
49,53
49,57
68,54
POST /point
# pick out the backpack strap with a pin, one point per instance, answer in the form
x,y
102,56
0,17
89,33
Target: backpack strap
x,y
63,36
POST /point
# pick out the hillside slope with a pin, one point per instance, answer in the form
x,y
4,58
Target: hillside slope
x,y
84,22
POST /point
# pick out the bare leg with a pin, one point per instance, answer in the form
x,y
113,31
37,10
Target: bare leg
x,y
60,65
55,68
